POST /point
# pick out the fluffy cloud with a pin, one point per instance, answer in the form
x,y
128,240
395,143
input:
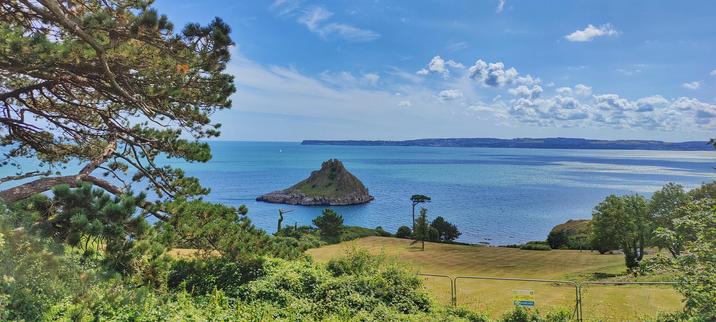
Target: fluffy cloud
x,y
590,32
582,90
450,94
492,74
713,72
579,90
651,103
440,66
692,85
526,92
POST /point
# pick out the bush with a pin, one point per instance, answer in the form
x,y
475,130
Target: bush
x,y
524,315
381,232
535,245
573,234
404,232
445,230
203,276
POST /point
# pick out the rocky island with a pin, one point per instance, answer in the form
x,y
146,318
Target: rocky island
x,y
332,185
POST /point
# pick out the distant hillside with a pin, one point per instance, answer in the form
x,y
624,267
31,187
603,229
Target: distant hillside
x,y
534,143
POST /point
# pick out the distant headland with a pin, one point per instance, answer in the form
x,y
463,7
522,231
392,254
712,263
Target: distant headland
x,y
332,185
533,143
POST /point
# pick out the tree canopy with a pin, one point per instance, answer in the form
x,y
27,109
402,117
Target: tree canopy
x,y
624,222
111,85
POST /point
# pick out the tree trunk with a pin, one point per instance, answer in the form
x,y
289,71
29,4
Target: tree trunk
x,y
413,218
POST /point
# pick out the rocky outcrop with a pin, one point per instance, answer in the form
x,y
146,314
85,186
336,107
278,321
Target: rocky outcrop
x,y
332,185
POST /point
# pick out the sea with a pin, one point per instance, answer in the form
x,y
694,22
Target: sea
x,y
495,196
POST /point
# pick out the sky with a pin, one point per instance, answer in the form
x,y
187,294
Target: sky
x,y
608,69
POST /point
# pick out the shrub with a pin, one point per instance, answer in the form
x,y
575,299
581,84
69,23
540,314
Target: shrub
x,y
381,232
404,232
535,245
524,315
573,234
329,223
446,231
203,276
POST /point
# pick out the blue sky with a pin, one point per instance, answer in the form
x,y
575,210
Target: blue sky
x,y
489,68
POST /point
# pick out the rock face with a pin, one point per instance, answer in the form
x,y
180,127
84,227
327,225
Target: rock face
x,y
332,185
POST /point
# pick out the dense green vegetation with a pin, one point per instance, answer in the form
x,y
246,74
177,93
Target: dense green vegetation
x,y
573,234
47,279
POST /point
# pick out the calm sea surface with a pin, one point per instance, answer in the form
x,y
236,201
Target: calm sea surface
x,y
499,196
494,195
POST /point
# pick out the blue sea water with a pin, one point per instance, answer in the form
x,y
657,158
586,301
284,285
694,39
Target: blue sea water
x,y
494,195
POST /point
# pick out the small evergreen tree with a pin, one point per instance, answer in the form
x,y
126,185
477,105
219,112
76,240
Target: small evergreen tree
x,y
422,228
329,223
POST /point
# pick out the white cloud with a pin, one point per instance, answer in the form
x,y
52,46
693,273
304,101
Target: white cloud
x,y
651,103
492,74
500,6
692,85
440,66
340,99
583,90
564,91
315,19
285,7
450,94
713,72
590,32
526,92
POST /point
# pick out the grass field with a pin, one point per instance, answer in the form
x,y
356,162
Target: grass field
x,y
603,303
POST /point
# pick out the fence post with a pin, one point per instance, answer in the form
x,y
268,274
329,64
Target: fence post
x,y
578,300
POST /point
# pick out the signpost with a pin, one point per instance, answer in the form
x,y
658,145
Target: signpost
x,y
523,298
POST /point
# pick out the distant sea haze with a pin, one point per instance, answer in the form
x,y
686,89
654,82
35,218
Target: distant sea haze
x,y
532,143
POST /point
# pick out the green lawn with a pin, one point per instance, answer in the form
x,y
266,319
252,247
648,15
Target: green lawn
x,y
617,303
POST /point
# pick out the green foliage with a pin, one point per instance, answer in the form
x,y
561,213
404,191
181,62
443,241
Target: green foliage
x,y
573,234
696,267
382,232
329,223
36,273
623,222
204,276
26,212
332,181
535,245
404,232
139,89
416,199
422,228
666,208
524,315
445,230
356,285
217,228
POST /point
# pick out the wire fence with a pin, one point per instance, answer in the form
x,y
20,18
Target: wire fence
x,y
495,295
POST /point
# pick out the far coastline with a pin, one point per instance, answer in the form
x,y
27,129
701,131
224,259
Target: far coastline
x,y
529,143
